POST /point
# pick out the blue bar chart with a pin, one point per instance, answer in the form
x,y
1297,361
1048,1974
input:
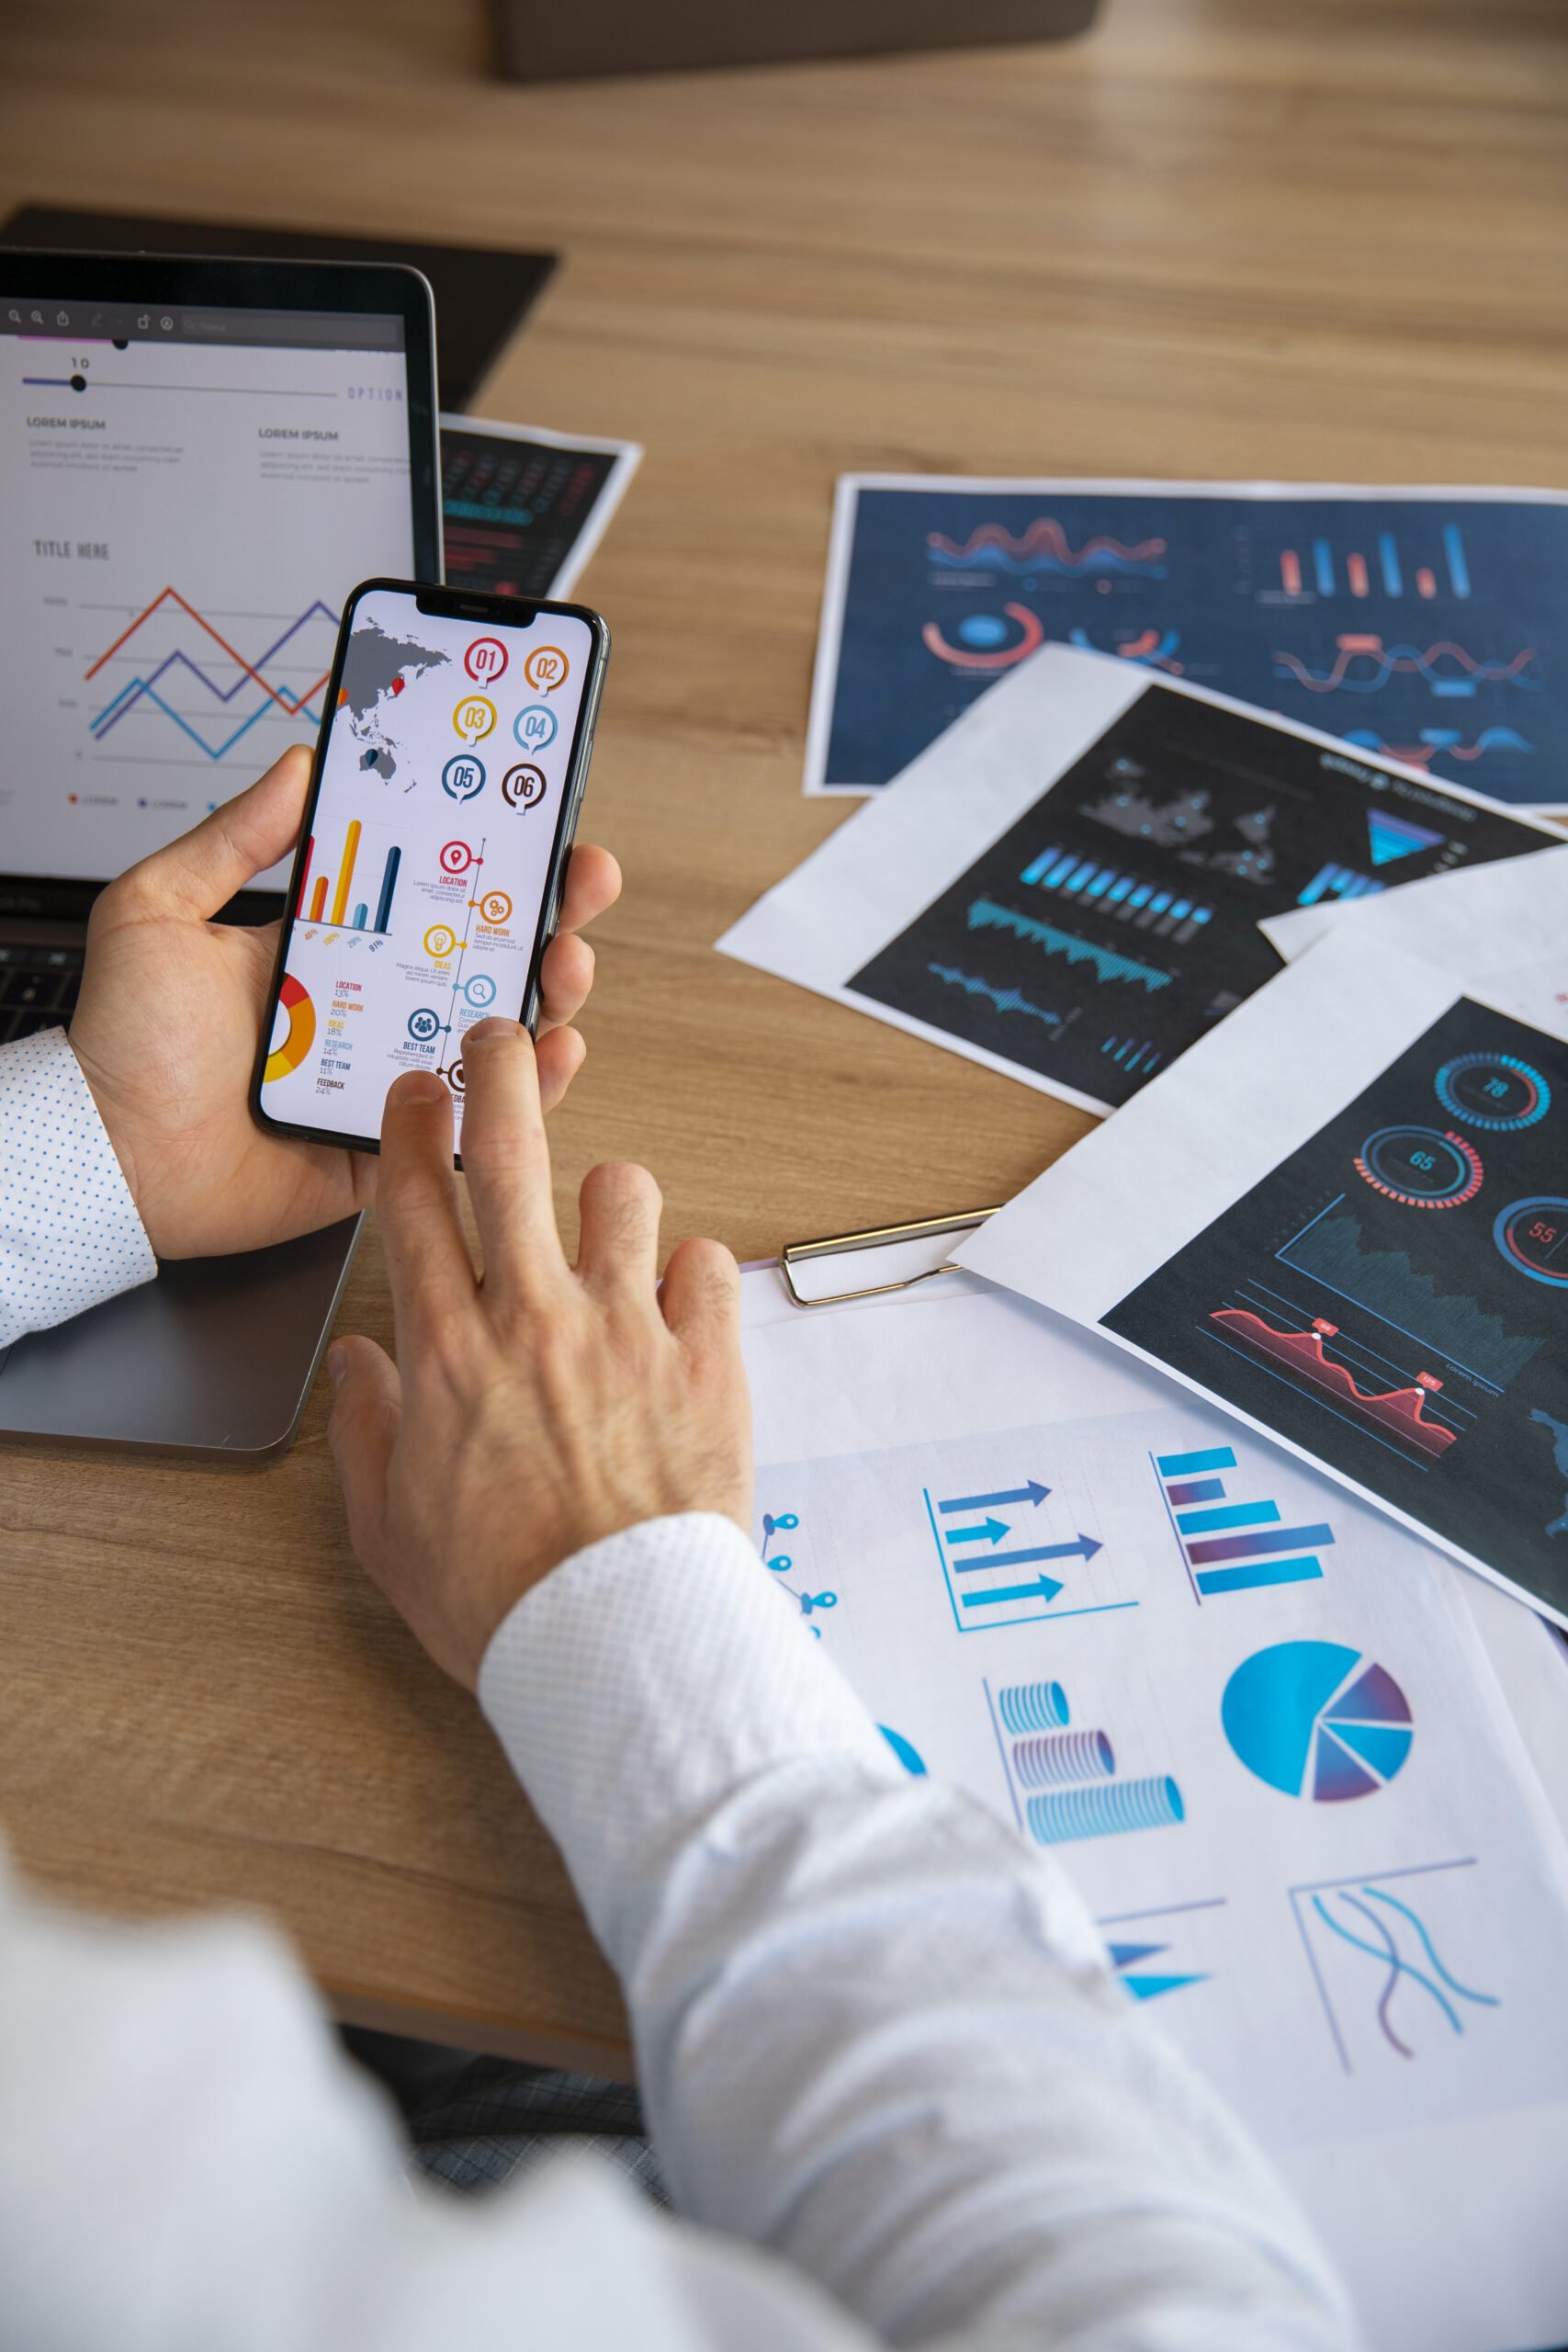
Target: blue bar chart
x,y
1142,905
1233,1546
1063,1781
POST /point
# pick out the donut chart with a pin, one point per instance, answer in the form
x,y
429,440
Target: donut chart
x,y
297,1038
1420,1168
1497,1091
1532,1236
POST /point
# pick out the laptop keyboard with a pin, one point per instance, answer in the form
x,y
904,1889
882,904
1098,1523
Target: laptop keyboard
x,y
37,989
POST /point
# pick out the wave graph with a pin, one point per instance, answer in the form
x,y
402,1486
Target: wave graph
x,y
275,696
1300,1355
1388,661
1045,547
1001,1000
1332,1251
985,914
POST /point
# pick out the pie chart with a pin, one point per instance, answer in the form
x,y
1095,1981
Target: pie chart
x,y
289,1049
1317,1720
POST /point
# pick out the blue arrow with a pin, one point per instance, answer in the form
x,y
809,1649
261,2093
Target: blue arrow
x,y
1044,1588
991,1530
1033,1493
1083,1547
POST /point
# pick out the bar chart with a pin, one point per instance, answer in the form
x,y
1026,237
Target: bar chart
x,y
1232,1546
344,912
1143,905
1063,1781
1380,559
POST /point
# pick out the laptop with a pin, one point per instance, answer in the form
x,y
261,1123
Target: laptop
x,y
199,459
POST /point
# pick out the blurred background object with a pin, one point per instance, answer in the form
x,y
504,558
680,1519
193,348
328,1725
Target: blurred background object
x,y
539,42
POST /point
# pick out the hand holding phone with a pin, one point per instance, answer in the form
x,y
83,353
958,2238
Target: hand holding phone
x,y
448,775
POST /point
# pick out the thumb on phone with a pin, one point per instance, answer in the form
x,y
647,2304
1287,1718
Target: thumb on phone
x,y
200,872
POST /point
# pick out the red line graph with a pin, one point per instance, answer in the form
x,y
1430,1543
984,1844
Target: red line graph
x,y
1301,1352
1045,538
1398,657
167,596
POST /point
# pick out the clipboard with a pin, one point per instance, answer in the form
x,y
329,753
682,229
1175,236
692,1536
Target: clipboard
x,y
876,1236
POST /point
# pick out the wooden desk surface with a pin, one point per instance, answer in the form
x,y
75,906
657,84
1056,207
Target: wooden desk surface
x,y
1220,237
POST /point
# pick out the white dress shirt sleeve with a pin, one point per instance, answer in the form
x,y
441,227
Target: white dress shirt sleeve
x,y
69,1233
874,2033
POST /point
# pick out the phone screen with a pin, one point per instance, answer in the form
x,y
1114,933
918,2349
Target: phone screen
x,y
444,779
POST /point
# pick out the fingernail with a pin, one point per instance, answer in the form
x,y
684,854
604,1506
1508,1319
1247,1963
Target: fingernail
x,y
494,1027
420,1086
337,1363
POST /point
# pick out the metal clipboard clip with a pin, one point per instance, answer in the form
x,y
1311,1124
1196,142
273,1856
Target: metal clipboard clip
x,y
797,1253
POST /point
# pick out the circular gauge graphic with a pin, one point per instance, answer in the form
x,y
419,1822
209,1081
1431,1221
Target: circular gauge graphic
x,y
1420,1168
1533,1237
523,785
485,660
296,1015
988,640
424,1024
1497,1091
545,669
463,775
535,727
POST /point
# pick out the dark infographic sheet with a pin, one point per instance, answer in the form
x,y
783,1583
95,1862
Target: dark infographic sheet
x,y
1427,629
1116,921
1393,1296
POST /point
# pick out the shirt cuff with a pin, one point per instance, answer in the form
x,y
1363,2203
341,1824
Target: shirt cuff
x,y
70,1236
646,1678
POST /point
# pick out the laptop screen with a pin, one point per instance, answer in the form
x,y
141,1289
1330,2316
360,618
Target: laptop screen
x,y
189,496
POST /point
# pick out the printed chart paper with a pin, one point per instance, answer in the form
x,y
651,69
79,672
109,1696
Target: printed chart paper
x,y
1345,1221
1418,624
522,509
1068,886
1474,922
1249,1716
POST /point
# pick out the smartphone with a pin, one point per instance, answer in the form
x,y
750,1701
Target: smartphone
x,y
426,885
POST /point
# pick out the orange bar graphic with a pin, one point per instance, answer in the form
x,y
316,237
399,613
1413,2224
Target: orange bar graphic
x,y
1426,582
1356,572
350,852
1291,572
318,897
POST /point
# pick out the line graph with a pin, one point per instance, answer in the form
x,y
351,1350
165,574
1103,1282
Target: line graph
x,y
277,697
1433,663
1044,546
985,914
1332,1251
1300,1355
1001,1000
1447,743
1379,1916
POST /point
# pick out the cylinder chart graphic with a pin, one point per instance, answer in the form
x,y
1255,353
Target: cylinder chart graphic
x,y
1105,1810
1033,1706
1063,1757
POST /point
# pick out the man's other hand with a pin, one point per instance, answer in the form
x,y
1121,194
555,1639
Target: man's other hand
x,y
541,1406
170,1015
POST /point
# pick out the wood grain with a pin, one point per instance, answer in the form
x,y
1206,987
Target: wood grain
x,y
1220,237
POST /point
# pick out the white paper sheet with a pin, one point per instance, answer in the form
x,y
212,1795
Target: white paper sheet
x,y
1067,886
476,563
1426,2172
1344,1219
1472,922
